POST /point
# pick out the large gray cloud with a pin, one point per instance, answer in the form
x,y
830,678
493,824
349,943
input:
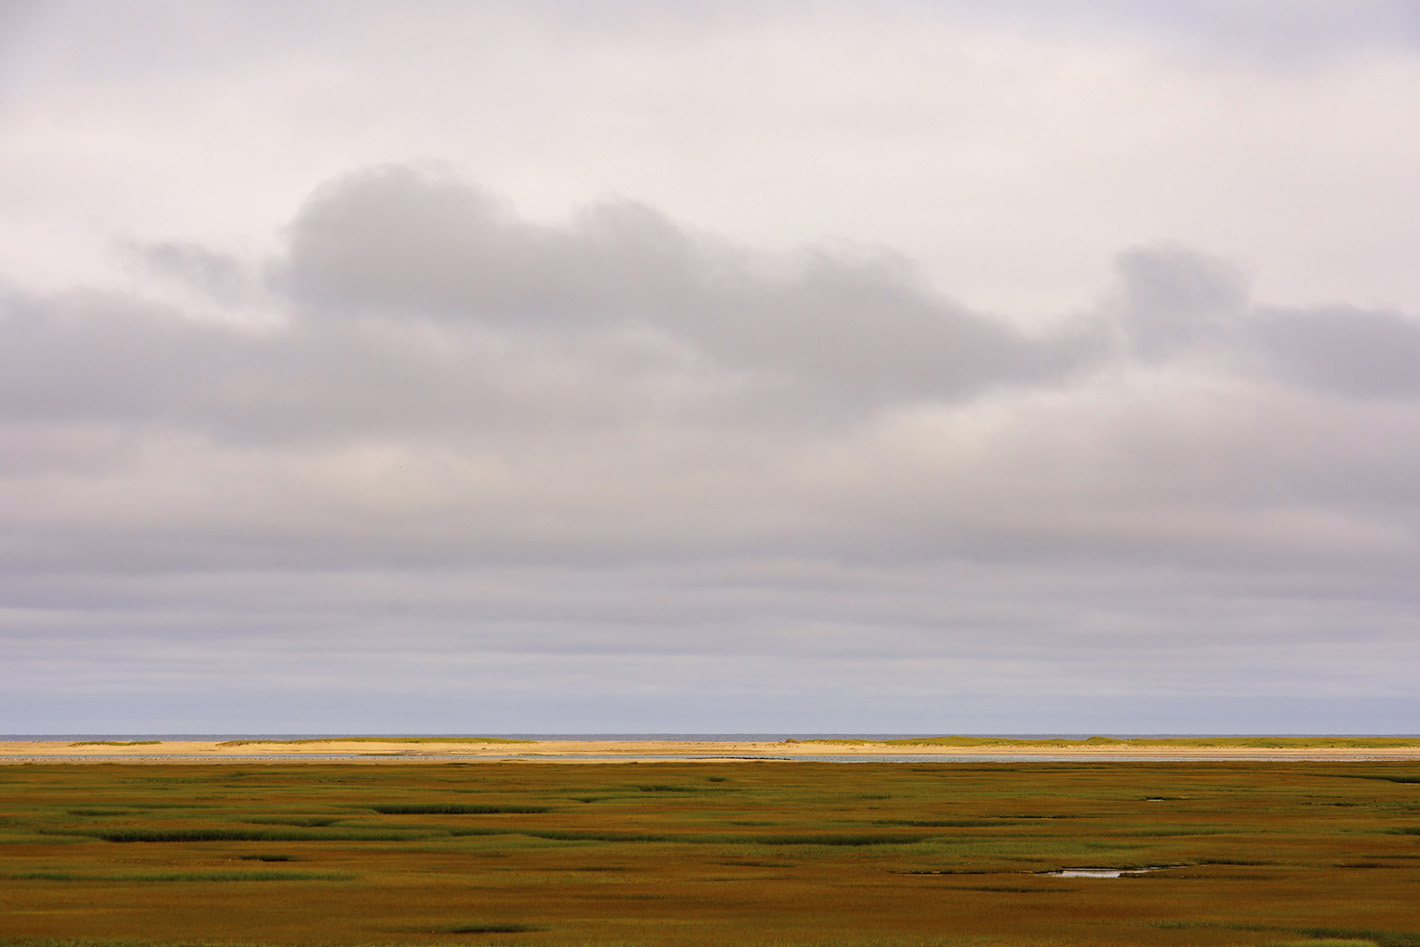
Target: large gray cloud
x,y
396,242
460,443
445,370
417,304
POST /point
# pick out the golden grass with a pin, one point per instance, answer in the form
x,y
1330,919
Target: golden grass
x,y
116,743
765,853
305,741
1257,742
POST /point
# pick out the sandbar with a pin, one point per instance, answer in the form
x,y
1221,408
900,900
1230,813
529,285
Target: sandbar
x,y
374,749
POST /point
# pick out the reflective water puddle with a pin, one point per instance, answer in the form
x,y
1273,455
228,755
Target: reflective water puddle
x,y
1098,872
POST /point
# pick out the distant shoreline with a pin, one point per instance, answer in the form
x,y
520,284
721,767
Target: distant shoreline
x,y
490,749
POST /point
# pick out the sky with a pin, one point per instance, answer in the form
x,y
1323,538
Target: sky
x,y
651,367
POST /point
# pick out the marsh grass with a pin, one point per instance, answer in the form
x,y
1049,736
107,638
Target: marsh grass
x,y
215,834
951,823
1257,743
123,855
493,928
445,808
170,876
117,743
667,787
307,741
857,839
116,942
1379,938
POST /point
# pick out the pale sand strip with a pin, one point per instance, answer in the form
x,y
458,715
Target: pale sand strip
x,y
196,751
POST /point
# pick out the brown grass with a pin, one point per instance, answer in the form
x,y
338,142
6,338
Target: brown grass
x,y
1254,743
693,853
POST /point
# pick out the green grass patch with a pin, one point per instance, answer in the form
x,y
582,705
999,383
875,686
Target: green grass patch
x,y
1378,938
853,840
667,787
117,743
454,808
179,876
951,823
574,835
246,835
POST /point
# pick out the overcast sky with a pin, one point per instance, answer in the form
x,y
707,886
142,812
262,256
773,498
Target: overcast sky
x,y
710,367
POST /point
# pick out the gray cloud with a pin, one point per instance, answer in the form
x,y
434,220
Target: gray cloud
x,y
218,275
426,458
1171,299
1172,302
1365,353
451,383
399,243
1287,32
470,447
417,303
394,240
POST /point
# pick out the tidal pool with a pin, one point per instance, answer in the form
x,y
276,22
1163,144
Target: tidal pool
x,y
1098,872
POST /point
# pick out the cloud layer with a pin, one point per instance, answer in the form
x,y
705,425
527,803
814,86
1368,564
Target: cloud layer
x,y
464,438
842,366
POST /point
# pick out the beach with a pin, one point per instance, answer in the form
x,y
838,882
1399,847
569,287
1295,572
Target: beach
x,y
374,749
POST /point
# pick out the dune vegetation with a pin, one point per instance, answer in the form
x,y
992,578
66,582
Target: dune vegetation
x,y
1254,742
753,853
116,743
307,741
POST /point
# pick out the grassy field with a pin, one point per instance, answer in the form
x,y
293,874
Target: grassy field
x,y
1237,743
306,741
764,853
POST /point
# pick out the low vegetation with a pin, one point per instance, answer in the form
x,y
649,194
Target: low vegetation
x,y
304,741
1256,743
116,743
1246,854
